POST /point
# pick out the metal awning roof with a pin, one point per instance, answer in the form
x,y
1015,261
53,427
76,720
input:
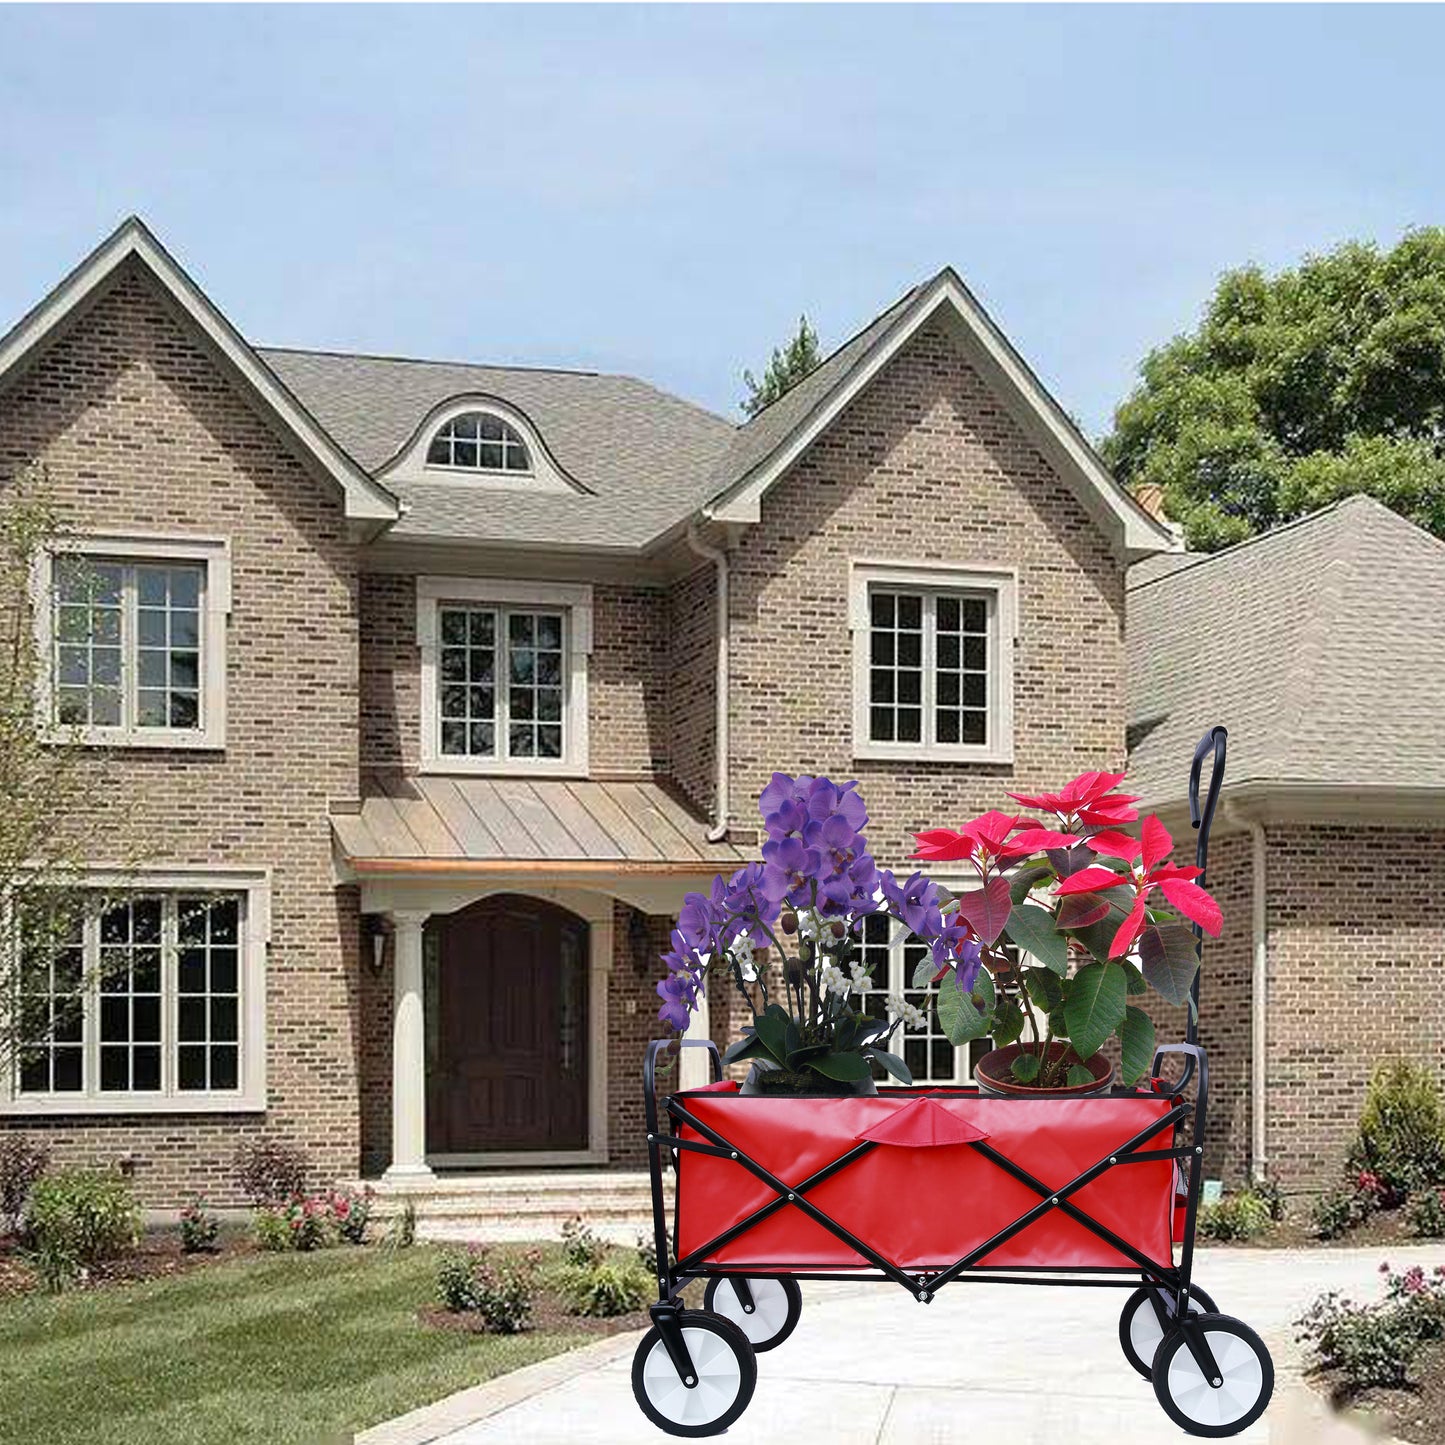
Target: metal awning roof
x,y
467,825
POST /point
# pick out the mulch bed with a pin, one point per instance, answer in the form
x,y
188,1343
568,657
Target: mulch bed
x,y
1416,1414
1383,1230
548,1315
157,1256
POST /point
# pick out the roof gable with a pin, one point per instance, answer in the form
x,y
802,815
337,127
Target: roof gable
x,y
763,450
366,500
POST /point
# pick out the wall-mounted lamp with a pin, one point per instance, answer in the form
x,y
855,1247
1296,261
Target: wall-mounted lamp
x,y
376,928
639,942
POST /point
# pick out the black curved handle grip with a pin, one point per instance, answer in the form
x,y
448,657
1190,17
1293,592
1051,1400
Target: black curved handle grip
x,y
1215,741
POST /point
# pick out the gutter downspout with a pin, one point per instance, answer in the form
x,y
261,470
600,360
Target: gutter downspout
x,y
719,559
1259,1031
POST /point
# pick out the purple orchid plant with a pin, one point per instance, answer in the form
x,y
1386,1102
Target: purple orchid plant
x,y
814,887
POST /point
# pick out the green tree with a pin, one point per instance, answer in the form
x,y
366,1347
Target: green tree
x,y
790,364
1295,390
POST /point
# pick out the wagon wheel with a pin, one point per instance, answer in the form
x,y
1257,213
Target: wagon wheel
x,y
776,1306
1140,1332
726,1376
1244,1383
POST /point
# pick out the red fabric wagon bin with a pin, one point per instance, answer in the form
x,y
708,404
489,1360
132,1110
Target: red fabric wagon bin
x,y
923,1204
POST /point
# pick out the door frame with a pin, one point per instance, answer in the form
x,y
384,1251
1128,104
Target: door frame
x,y
595,911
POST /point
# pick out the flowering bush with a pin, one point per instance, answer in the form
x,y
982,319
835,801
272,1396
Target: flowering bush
x,y
1427,1214
1375,1344
1101,914
1242,1215
580,1246
314,1221
1401,1142
502,1294
349,1213
605,1290
199,1229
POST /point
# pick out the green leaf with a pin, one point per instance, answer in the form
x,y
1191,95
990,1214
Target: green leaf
x,y
958,1016
1098,936
1170,960
1134,978
846,1067
1033,929
1044,988
747,1047
1094,1006
1079,1074
923,971
772,1031
1008,1023
893,1064
1021,884
1058,1024
1079,910
1136,1034
1026,1067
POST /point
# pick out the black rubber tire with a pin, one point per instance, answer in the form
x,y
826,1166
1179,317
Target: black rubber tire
x,y
1199,1303
792,1294
735,1341
1241,1354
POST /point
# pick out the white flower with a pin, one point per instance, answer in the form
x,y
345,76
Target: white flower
x,y
913,1018
808,924
741,952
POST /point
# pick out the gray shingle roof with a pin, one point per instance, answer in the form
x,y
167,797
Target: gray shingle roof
x,y
1320,646
645,456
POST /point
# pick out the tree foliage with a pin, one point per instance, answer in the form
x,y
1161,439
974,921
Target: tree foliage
x,y
789,365
1296,390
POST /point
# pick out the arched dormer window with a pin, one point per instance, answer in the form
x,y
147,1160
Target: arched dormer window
x,y
478,441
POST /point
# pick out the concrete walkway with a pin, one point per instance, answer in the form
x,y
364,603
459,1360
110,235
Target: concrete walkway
x,y
867,1365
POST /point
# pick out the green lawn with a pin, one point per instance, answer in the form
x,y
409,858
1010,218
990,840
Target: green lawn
x,y
271,1349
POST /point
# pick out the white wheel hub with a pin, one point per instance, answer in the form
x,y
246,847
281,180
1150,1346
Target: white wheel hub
x,y
770,1308
1206,1403
1144,1331
719,1379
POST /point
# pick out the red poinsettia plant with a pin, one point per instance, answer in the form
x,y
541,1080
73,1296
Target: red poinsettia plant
x,y
1075,917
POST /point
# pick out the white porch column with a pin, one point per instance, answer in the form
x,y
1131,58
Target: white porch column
x,y
408,1050
693,1068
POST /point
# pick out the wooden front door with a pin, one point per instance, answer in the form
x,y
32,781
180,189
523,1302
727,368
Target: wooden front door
x,y
507,1010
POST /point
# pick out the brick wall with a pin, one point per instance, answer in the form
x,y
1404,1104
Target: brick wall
x,y
924,465
631,1022
138,429
1356,971
691,685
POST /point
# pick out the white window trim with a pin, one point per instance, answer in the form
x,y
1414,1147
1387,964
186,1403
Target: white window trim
x,y
543,475
573,599
215,554
1002,584
250,1097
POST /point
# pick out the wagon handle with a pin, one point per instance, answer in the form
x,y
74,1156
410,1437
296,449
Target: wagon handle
x,y
649,1071
1216,741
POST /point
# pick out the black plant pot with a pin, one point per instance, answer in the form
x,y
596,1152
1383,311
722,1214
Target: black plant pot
x,y
785,1084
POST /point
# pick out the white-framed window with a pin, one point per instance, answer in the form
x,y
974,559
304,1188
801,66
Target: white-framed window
x,y
503,675
932,661
478,441
151,1001
131,636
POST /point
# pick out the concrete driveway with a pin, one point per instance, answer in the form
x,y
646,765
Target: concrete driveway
x,y
870,1366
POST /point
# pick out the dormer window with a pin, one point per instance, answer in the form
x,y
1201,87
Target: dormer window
x,y
479,441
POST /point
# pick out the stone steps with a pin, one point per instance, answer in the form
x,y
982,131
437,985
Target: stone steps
x,y
505,1207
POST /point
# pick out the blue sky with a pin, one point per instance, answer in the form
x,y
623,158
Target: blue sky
x,y
661,191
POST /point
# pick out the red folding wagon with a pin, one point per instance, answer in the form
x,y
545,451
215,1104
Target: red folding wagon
x,y
929,1189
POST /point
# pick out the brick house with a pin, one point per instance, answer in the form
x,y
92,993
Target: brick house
x,y
431,688
1321,645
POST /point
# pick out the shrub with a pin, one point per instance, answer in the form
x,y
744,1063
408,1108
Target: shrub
x,y
401,1232
1375,1344
581,1249
270,1172
199,1229
83,1216
1269,1193
502,1294
1334,1212
349,1214
647,1253
1427,1214
1402,1129
271,1230
603,1290
22,1162
1238,1216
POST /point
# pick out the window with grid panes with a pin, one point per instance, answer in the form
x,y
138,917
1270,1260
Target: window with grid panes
x,y
127,643
928,667
501,680
890,957
478,441
146,998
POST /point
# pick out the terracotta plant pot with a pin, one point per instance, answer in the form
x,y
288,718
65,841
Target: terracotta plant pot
x,y
994,1072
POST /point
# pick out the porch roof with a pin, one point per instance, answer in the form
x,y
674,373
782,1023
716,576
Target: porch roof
x,y
452,825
